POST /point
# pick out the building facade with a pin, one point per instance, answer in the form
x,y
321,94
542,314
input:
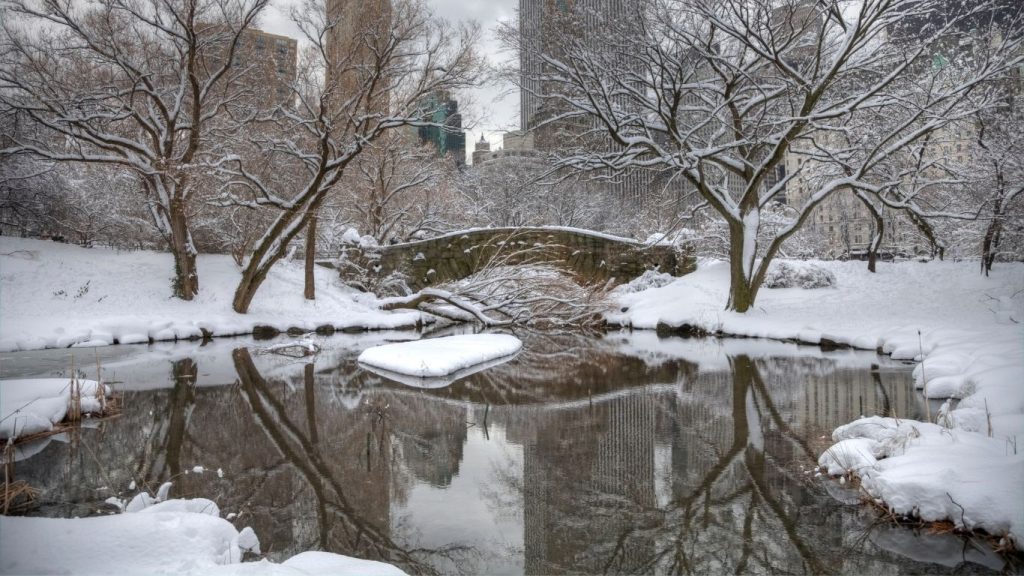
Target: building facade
x,y
262,70
445,131
545,28
360,29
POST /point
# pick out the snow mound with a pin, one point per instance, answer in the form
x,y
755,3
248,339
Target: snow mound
x,y
35,405
327,563
796,274
436,357
166,540
171,537
931,472
646,281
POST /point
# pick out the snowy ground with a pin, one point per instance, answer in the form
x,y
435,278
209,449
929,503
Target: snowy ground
x,y
967,465
166,537
56,295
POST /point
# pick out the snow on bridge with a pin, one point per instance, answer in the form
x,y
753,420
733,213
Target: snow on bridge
x,y
590,256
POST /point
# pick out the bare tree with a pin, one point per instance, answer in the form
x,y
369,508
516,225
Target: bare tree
x,y
132,83
720,91
386,194
372,85
1000,178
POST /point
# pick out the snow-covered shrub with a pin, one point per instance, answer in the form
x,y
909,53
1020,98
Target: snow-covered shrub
x,y
649,279
793,274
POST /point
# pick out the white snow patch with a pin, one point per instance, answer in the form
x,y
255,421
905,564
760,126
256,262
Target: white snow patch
x,y
35,405
174,537
437,357
934,473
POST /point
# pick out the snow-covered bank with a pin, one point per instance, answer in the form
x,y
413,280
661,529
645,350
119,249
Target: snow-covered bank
x,y
35,405
967,330
170,537
56,295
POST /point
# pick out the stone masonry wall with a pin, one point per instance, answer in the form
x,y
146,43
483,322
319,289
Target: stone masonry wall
x,y
592,257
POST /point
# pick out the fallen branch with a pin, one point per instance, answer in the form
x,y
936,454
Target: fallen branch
x,y
431,295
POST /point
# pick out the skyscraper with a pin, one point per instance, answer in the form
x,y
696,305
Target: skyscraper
x,y
360,29
445,131
547,29
545,24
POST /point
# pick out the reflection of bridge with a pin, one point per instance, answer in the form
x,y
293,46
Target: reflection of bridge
x,y
591,256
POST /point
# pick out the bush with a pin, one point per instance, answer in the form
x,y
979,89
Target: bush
x,y
798,275
646,281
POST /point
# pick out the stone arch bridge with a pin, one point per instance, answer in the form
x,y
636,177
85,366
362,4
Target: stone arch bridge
x,y
590,256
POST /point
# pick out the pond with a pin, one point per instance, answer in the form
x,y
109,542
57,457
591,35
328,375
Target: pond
x,y
622,454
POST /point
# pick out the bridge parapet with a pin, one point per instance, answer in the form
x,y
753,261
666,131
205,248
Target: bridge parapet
x,y
590,256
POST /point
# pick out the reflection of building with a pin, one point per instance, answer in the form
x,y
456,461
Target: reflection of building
x,y
432,438
445,131
584,478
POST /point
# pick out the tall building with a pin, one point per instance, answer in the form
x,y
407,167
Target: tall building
x,y
481,150
264,65
445,131
545,28
360,28
545,23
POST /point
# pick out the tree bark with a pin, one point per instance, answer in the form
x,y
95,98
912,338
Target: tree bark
x,y
876,236
991,241
270,250
741,290
186,277
310,292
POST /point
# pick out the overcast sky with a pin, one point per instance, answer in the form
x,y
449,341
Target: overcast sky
x,y
491,110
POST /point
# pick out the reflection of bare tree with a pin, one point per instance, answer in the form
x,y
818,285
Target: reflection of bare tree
x,y
340,525
736,503
162,459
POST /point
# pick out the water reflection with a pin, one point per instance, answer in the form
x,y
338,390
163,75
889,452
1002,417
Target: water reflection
x,y
622,455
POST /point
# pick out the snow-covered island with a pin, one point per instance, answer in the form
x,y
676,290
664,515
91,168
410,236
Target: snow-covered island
x,y
436,362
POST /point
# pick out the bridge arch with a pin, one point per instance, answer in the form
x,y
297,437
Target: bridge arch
x,y
590,256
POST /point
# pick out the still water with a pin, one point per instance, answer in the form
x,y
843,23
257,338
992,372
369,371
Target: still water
x,y
620,454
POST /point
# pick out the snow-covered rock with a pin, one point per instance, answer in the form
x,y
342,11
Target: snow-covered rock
x,y
933,473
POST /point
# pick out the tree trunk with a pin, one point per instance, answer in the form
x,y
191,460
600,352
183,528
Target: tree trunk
x,y
741,289
270,250
186,277
876,238
309,380
310,291
991,240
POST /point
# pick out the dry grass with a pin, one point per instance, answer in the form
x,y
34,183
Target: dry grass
x,y
111,409
17,496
